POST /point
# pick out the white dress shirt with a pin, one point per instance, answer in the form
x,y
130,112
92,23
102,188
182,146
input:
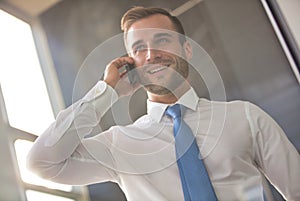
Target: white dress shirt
x,y
239,143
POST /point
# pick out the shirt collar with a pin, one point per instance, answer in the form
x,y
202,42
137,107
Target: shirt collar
x,y
156,110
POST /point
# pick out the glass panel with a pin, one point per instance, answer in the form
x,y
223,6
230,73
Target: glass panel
x,y
38,196
23,86
22,148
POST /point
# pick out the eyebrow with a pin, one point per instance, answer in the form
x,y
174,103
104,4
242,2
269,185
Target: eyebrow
x,y
136,43
158,35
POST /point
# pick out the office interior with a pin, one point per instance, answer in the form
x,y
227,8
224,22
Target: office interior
x,y
254,44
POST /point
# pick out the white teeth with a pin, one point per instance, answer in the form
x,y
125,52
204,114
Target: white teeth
x,y
157,69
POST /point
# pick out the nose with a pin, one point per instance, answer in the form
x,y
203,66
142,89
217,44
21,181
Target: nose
x,y
152,54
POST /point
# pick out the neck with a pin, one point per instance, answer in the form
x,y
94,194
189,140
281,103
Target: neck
x,y
171,97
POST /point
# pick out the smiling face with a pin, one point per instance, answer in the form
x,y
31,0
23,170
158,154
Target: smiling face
x,y
158,54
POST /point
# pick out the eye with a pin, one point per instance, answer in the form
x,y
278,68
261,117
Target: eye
x,y
139,48
162,41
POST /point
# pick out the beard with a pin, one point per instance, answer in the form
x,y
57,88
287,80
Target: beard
x,y
156,89
175,75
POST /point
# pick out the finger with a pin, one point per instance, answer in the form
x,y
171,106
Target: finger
x,y
123,73
120,62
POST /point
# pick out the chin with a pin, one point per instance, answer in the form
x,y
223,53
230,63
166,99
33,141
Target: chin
x,y
158,90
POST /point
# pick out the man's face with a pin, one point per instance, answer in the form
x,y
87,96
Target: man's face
x,y
158,54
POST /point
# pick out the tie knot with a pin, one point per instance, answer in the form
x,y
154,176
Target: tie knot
x,y
174,111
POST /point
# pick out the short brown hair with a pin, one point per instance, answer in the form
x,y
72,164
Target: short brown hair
x,y
138,12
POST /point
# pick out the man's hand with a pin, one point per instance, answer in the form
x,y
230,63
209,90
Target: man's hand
x,y
119,80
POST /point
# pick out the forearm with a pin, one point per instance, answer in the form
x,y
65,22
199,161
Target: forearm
x,y
60,146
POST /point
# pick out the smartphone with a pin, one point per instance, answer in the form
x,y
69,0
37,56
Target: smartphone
x,y
132,76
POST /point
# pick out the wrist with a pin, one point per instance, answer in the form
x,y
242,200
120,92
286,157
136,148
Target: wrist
x,y
110,83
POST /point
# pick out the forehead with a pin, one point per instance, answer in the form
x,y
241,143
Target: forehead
x,y
149,26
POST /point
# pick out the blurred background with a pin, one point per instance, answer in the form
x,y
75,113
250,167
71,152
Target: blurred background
x,y
44,44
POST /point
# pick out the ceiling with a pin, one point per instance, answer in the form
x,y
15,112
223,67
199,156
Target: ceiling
x,y
34,8
31,8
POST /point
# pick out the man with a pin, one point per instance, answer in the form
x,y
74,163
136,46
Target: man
x,y
239,144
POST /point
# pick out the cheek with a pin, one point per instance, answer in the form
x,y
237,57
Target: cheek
x,y
177,50
138,61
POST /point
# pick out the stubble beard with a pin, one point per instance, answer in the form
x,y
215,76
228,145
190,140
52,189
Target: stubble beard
x,y
180,72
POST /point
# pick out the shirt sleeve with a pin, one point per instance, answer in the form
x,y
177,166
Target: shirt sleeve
x,y
61,153
276,156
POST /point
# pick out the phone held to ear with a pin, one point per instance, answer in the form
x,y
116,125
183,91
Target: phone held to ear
x,y
132,75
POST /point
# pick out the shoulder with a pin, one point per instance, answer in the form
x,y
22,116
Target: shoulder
x,y
240,108
235,104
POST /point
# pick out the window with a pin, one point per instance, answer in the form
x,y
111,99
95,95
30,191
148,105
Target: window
x,y
27,105
23,86
38,196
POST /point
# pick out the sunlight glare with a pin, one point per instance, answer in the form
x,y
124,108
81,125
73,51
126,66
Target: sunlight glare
x,y
38,196
22,82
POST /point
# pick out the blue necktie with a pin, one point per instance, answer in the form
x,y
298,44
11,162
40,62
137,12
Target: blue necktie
x,y
194,178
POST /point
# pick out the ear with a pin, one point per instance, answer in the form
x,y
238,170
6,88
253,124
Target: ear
x,y
188,50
